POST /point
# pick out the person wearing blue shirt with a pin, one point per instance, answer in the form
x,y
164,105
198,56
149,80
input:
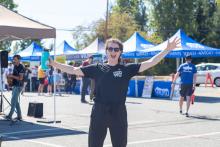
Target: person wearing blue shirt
x,y
187,73
111,85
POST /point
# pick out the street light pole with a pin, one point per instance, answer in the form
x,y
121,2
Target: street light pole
x,y
106,21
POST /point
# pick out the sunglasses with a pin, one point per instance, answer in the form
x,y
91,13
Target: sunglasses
x,y
111,49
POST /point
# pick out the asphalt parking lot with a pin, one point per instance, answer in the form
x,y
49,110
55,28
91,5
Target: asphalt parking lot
x,y
152,122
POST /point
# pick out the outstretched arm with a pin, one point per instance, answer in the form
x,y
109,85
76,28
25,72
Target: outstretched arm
x,y
175,43
67,68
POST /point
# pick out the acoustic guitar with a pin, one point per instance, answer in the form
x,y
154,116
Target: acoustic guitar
x,y
10,81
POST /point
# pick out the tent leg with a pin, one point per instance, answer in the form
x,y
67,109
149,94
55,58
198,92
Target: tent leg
x,y
54,95
177,63
136,81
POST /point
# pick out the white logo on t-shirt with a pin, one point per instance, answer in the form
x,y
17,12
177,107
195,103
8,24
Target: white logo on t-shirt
x,y
187,69
117,74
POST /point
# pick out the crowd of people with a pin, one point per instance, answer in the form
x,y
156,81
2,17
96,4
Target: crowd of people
x,y
41,81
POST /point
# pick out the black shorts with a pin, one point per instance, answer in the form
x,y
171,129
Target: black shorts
x,y
41,80
186,90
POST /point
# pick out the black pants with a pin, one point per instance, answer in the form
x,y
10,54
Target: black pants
x,y
113,117
85,84
34,84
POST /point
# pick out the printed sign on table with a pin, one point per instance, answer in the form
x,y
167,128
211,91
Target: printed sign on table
x,y
175,92
148,86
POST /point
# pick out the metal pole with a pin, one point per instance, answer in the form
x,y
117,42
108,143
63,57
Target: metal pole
x,y
54,79
1,109
106,21
177,63
136,81
1,139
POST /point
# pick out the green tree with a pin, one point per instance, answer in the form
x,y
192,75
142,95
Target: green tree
x,y
83,36
167,16
121,26
199,19
8,4
25,43
135,8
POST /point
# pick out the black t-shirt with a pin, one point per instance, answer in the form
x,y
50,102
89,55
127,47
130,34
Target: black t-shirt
x,y
111,82
16,72
26,75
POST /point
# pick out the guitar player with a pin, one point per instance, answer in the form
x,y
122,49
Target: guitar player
x,y
17,84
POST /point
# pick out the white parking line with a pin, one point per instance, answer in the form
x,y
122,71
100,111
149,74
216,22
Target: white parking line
x,y
169,138
141,122
37,142
29,131
77,127
7,135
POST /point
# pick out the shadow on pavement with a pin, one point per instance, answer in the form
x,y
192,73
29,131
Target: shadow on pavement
x,y
204,117
205,99
27,130
200,99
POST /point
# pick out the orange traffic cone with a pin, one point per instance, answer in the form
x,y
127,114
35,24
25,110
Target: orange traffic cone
x,y
209,78
192,99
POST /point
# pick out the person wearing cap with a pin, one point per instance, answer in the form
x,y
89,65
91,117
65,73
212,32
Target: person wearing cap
x,y
187,73
111,85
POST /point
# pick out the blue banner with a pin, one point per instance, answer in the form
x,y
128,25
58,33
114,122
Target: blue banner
x,y
131,88
161,89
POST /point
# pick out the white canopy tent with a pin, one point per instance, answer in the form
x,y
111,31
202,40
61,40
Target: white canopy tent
x,y
96,47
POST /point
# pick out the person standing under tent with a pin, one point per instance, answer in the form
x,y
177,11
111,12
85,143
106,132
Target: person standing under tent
x,y
17,77
26,78
34,77
41,77
58,80
50,76
85,80
112,79
187,72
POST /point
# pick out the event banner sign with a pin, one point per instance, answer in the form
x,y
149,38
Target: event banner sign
x,y
161,89
175,92
61,59
148,87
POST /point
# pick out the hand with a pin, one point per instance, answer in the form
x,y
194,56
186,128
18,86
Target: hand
x,y
175,43
10,76
194,87
172,85
50,61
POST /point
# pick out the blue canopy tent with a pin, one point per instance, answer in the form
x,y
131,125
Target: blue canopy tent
x,y
135,44
64,49
32,53
132,47
188,46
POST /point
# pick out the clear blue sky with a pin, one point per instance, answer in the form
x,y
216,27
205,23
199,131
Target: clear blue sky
x,y
63,14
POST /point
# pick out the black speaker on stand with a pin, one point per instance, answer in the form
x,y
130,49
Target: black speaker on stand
x,y
4,59
3,64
